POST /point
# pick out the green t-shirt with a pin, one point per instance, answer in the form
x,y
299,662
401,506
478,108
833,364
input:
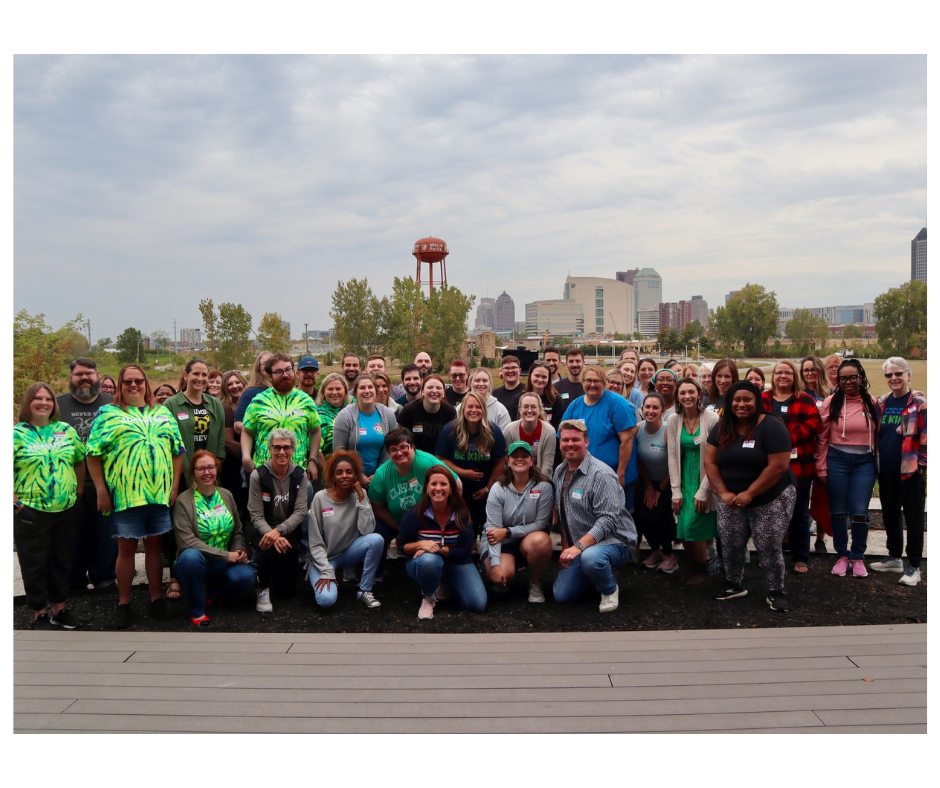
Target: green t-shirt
x,y
270,411
44,460
214,520
137,447
400,493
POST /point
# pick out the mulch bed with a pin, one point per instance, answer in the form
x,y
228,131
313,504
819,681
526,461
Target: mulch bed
x,y
648,601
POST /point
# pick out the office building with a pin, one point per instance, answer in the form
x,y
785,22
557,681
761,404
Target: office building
x,y
486,313
559,317
675,314
505,313
919,256
626,276
700,310
608,304
190,338
648,290
647,320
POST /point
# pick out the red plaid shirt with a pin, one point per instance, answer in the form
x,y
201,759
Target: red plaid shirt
x,y
803,423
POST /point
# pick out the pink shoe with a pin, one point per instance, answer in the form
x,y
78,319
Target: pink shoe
x,y
669,564
426,611
653,560
858,568
841,567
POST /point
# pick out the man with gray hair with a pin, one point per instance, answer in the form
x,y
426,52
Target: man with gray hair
x,y
277,503
597,532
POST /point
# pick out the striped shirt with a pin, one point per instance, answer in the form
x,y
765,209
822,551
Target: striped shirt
x,y
592,502
419,528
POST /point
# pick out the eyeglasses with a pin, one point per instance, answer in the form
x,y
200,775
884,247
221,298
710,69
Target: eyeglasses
x,y
133,382
403,449
593,382
458,375
204,468
889,375
530,407
80,375
809,371
614,384
280,373
281,449
511,369
848,379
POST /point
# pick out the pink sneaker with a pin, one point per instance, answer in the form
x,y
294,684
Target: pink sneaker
x,y
841,567
653,560
426,611
858,568
669,564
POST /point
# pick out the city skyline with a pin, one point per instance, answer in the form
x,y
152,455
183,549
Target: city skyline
x,y
150,172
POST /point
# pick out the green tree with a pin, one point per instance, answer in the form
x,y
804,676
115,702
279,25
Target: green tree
x,y
234,337
355,314
103,342
692,331
444,324
901,315
806,331
39,353
128,345
852,331
752,317
403,318
670,340
272,334
720,328
159,340
210,333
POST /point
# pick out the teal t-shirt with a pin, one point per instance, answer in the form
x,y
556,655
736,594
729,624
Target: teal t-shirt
x,y
371,438
44,460
400,493
214,520
294,411
137,447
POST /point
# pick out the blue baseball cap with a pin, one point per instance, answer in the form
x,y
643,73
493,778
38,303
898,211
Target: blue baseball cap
x,y
308,362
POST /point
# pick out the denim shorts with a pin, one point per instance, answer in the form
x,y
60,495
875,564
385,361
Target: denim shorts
x,y
139,522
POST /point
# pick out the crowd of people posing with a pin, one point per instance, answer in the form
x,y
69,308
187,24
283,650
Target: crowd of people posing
x,y
236,483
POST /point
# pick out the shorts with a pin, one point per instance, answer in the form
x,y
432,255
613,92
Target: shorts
x,y
139,522
507,549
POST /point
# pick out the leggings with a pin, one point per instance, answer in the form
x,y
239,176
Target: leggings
x,y
658,524
767,524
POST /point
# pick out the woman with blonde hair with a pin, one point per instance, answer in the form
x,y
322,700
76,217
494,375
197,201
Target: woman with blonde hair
x,y
534,428
831,365
482,383
383,388
631,390
814,379
332,397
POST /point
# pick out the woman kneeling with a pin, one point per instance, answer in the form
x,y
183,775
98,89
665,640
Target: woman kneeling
x,y
438,537
342,531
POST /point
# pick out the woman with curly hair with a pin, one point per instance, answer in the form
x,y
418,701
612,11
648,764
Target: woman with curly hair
x,y
747,460
846,463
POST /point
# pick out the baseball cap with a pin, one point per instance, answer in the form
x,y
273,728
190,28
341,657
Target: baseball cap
x,y
519,445
308,362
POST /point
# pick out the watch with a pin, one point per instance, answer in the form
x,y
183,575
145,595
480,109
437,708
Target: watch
x,y
579,545
508,533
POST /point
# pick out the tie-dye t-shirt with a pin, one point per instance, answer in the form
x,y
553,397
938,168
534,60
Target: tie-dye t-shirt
x,y
44,460
270,411
214,520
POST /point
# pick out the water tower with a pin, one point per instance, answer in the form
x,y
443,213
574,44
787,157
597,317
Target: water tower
x,y
431,252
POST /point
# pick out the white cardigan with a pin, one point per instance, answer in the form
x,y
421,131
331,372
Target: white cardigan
x,y
708,420
545,453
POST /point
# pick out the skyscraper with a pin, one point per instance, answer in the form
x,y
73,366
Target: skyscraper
x,y
700,310
919,256
486,313
648,291
608,304
505,313
626,276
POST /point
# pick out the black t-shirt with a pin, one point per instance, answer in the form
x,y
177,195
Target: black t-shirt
x,y
426,427
889,437
510,399
743,461
453,398
80,415
778,409
568,391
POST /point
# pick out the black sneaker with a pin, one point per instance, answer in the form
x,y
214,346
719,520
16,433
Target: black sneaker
x,y
732,591
65,620
777,600
41,622
124,618
159,609
820,547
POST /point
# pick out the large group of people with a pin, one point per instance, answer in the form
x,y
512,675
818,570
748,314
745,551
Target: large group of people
x,y
239,483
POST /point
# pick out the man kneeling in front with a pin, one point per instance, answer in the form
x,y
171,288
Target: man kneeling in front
x,y
597,531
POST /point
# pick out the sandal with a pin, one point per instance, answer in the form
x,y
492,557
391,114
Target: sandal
x,y
173,589
202,621
800,567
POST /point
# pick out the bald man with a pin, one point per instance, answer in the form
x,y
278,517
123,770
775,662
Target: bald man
x,y
423,363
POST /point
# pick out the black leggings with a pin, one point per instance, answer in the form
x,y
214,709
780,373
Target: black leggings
x,y
44,543
657,524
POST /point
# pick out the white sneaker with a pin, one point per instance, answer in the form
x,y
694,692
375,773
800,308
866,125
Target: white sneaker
x,y
263,605
911,577
392,553
610,602
536,594
349,574
889,565
426,611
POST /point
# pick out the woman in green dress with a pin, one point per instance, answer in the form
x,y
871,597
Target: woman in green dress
x,y
692,499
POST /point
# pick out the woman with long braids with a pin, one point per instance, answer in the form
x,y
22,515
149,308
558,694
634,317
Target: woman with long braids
x,y
747,460
845,463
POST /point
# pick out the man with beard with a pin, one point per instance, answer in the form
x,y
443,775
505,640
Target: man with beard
x,y
411,381
308,370
281,407
94,552
423,362
352,366
552,357
570,388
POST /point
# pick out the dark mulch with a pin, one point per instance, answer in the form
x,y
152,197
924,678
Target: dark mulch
x,y
648,601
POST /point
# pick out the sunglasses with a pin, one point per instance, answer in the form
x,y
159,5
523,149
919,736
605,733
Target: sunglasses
x,y
281,449
133,382
889,375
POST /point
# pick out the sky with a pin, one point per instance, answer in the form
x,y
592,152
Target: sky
x,y
143,184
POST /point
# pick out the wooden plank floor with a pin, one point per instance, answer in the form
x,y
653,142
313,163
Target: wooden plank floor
x,y
812,680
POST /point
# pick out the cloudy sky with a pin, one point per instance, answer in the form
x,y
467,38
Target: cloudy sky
x,y
143,184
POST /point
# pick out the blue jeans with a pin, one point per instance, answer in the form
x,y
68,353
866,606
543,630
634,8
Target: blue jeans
x,y
94,553
851,479
223,579
429,570
594,567
366,550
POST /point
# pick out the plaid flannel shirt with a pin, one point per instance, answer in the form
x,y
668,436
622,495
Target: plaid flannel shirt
x,y
803,424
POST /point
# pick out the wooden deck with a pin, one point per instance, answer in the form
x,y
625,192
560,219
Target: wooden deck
x,y
821,680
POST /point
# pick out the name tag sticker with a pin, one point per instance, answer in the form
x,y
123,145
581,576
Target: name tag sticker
x,y
535,494
784,408
182,416
748,444
266,497
327,512
792,454
418,428
564,395
363,431
59,434
577,494
220,509
413,483
698,441
654,448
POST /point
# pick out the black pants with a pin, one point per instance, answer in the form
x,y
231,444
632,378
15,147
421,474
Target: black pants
x,y
798,531
44,543
278,571
657,524
909,495
385,531
95,550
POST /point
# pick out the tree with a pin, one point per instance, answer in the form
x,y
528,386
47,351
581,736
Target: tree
x,y
806,331
670,340
210,332
103,342
444,324
355,316
752,317
692,331
402,319
272,333
159,340
852,331
128,345
39,353
901,315
234,337
720,328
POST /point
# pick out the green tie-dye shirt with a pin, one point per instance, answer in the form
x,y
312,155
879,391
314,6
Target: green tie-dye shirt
x,y
44,460
214,520
328,415
269,411
137,447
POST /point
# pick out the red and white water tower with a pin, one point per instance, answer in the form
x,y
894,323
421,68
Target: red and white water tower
x,y
431,252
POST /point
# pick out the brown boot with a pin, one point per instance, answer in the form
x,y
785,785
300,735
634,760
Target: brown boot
x,y
699,575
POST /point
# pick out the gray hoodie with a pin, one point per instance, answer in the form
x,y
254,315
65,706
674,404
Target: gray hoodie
x,y
524,512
